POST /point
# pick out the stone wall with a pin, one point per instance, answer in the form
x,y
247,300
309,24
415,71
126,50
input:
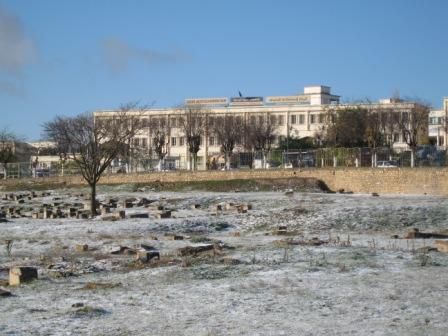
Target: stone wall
x,y
432,181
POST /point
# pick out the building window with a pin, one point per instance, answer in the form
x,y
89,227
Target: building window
x,y
396,137
312,119
173,122
173,141
281,120
301,119
321,118
144,142
136,142
211,141
181,141
145,122
293,119
211,121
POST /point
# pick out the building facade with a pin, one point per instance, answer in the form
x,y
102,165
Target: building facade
x,y
437,128
301,115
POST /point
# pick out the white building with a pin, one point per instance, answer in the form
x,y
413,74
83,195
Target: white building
x,y
437,128
299,115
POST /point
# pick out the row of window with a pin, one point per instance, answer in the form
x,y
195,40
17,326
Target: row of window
x,y
436,120
275,119
178,141
177,122
143,142
300,119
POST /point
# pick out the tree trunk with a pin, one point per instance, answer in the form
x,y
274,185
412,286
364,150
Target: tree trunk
x,y
412,158
374,159
227,163
93,199
195,161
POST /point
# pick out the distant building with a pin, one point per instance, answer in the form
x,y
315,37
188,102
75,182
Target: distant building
x,y
45,154
437,128
299,115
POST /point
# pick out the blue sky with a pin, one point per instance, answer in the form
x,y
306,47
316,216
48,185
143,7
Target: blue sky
x,y
61,57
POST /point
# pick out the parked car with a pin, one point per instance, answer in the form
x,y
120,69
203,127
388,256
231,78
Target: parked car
x,y
272,164
386,164
42,172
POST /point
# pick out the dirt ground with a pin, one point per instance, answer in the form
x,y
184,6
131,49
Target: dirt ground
x,y
300,263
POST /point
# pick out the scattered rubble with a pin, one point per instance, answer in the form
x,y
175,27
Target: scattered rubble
x,y
144,255
172,236
315,241
4,293
81,247
416,234
442,245
196,250
124,250
18,275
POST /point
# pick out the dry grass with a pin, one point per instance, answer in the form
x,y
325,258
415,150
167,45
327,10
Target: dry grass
x,y
100,285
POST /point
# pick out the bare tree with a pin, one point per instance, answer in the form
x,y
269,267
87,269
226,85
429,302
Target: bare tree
x,y
414,127
346,127
194,125
228,130
7,147
374,133
160,132
260,134
93,143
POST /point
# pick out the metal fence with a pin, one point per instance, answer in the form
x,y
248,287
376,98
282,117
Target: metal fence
x,y
425,156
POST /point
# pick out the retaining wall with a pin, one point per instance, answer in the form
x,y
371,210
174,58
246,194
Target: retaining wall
x,y
432,181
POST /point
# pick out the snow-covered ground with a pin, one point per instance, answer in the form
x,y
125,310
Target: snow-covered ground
x,y
362,283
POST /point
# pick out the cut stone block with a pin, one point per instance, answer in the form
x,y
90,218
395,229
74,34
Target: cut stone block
x,y
230,206
123,250
4,293
109,218
17,275
46,213
145,256
139,215
163,214
83,215
120,214
442,245
173,237
415,233
81,247
105,210
195,250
